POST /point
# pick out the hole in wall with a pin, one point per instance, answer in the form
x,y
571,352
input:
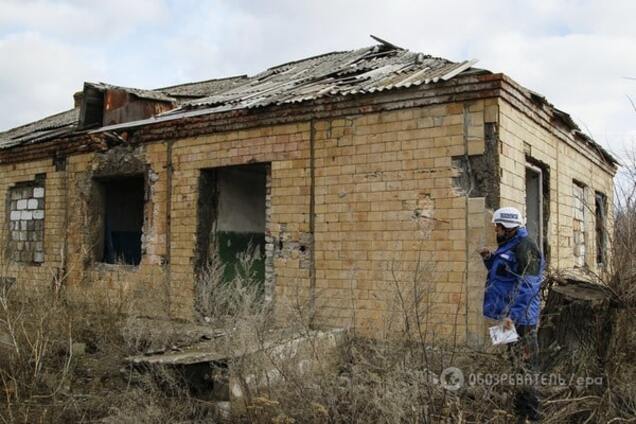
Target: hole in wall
x,y
120,206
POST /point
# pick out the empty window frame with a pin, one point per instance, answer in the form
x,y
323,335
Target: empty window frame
x,y
578,223
120,214
26,222
600,208
534,204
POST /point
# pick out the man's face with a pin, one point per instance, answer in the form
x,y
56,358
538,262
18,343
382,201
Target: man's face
x,y
503,233
500,231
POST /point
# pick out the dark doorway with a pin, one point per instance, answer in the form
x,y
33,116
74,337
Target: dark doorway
x,y
537,205
232,217
122,203
600,201
534,204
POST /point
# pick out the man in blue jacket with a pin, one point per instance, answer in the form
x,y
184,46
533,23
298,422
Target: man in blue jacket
x,y
515,273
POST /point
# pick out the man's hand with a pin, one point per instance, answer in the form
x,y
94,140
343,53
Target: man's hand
x,y
485,252
507,323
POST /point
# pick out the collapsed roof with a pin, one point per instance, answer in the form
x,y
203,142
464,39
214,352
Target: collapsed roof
x,y
357,72
366,70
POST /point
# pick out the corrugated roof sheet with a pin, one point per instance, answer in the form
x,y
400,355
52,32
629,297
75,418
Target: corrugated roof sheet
x,y
66,122
51,126
359,71
203,88
368,70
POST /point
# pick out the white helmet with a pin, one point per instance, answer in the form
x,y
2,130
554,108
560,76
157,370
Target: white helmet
x,y
508,217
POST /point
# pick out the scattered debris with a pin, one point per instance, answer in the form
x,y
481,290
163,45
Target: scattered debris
x,y
207,365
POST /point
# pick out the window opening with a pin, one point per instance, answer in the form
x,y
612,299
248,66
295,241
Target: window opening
x,y
122,204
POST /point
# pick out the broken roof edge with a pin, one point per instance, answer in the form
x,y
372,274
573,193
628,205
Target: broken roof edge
x,y
137,92
470,86
476,74
573,133
574,130
181,113
558,121
43,119
173,94
15,136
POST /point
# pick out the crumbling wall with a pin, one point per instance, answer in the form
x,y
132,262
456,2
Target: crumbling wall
x,y
286,148
478,180
355,208
163,283
524,141
388,213
478,169
232,213
91,185
34,274
141,289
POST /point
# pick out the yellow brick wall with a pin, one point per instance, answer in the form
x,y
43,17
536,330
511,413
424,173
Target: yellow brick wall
x,y
521,136
142,289
388,212
287,148
150,289
38,276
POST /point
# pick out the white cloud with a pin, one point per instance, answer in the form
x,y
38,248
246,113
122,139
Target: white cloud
x,y
575,52
79,21
38,77
579,73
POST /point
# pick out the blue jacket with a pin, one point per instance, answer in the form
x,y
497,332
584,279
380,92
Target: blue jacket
x,y
515,273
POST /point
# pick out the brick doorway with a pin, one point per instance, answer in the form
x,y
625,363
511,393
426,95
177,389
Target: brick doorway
x,y
232,220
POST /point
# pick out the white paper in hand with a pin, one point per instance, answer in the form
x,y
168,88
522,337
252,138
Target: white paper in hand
x,y
499,335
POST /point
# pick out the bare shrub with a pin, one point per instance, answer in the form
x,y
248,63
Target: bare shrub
x,y
623,243
285,371
37,354
614,400
397,377
219,301
61,360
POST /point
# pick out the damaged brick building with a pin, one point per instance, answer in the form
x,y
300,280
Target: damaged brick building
x,y
348,171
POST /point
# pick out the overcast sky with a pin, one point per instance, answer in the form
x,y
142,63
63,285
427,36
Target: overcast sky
x,y
579,54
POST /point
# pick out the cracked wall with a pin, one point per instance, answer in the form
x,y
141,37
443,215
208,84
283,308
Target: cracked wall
x,y
286,198
354,208
143,288
41,178
387,212
524,142
477,171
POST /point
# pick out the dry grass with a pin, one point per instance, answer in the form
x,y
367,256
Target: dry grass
x,y
45,376
391,380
